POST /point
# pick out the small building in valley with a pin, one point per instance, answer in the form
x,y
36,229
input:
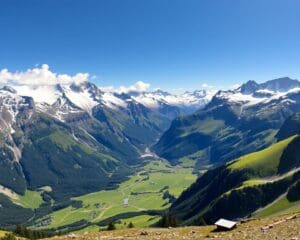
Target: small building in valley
x,y
126,201
224,224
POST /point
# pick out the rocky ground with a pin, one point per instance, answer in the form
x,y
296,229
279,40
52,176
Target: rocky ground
x,y
281,228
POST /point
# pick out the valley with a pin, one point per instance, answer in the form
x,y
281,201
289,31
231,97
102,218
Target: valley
x,y
149,192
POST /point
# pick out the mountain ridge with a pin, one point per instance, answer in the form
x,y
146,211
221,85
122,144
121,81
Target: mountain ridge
x,y
241,187
258,184
232,124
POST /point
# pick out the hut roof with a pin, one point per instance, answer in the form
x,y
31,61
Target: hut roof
x,y
225,223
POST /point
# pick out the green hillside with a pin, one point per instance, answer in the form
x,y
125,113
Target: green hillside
x,y
280,206
220,132
53,157
244,186
263,163
31,199
189,134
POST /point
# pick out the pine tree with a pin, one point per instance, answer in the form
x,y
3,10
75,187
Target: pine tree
x,y
19,230
173,221
168,221
111,226
202,221
130,225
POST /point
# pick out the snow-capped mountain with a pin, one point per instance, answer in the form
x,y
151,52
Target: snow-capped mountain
x,y
196,99
252,93
62,100
173,105
47,130
124,124
233,123
81,97
12,107
114,120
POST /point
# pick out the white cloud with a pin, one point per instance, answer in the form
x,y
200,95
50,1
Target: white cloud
x,y
40,76
139,86
207,86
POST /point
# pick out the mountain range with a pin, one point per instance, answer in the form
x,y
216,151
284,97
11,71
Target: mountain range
x,y
75,139
69,140
173,105
233,123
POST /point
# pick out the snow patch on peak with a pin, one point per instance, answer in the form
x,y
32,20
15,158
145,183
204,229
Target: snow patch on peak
x,y
41,94
84,96
157,98
10,106
83,99
251,93
112,101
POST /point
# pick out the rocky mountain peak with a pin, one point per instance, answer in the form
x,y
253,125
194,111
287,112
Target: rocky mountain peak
x,y
249,87
161,92
280,84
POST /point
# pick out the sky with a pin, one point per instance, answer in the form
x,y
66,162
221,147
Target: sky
x,y
168,44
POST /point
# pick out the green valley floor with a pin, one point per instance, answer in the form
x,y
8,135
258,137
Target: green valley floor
x,y
150,188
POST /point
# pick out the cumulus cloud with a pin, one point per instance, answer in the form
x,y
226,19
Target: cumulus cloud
x,y
139,86
40,76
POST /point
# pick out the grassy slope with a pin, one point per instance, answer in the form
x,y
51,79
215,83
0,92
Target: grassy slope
x,y
262,164
147,185
280,206
31,199
42,163
66,142
252,174
207,126
265,162
187,136
285,229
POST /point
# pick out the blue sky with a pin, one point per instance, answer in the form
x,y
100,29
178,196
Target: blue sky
x,y
169,44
